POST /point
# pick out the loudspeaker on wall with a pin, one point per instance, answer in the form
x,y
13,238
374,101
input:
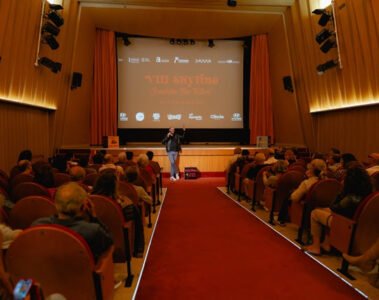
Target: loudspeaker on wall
x,y
287,83
76,80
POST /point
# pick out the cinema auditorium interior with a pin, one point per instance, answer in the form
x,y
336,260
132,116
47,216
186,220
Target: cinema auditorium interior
x,y
189,149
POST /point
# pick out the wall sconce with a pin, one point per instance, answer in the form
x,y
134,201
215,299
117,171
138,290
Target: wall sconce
x,y
55,67
326,66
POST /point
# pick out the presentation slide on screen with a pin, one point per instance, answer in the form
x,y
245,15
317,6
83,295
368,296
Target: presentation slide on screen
x,y
162,85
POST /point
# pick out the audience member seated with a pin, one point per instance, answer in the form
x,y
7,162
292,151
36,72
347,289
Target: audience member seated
x,y
270,160
25,167
289,156
76,212
346,159
143,164
315,172
373,163
366,262
97,161
270,177
108,164
77,173
259,163
356,186
23,155
8,233
129,159
131,176
107,185
154,164
333,162
121,159
44,175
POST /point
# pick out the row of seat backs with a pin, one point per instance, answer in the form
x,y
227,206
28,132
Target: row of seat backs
x,y
61,261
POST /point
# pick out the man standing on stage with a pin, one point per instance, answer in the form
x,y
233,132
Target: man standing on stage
x,y
172,141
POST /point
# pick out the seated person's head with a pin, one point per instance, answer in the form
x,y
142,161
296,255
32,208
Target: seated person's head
x,y
129,155
289,155
70,199
77,173
373,159
150,155
280,166
108,159
347,158
357,181
44,175
333,159
98,158
316,168
259,158
83,161
131,174
237,151
106,185
25,155
245,152
25,166
122,157
142,160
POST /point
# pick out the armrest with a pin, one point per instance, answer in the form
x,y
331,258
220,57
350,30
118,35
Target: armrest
x,y
341,232
105,269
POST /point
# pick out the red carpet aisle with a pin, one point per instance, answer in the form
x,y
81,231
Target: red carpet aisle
x,y
207,247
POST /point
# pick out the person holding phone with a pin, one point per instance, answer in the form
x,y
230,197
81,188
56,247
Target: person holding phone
x,y
173,142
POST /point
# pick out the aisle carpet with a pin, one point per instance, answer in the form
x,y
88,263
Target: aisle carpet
x,y
207,247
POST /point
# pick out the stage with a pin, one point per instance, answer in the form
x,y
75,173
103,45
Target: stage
x,y
209,159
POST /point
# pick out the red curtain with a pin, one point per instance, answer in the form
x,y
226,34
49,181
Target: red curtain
x,y
261,120
104,106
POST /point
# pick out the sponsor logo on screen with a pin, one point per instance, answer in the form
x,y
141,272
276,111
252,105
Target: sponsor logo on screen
x,y
217,117
140,116
174,117
133,60
123,116
161,60
156,117
178,60
203,61
192,116
236,117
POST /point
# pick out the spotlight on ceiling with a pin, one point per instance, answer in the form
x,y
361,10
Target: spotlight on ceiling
x,y
318,11
326,66
55,6
172,41
50,28
55,18
179,42
328,45
211,43
55,67
323,35
185,42
51,41
232,3
192,42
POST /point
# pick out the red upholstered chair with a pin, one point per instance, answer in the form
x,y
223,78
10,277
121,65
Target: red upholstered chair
x,y
62,262
111,215
258,188
375,181
321,194
295,167
6,287
287,183
25,189
4,184
127,189
90,179
61,178
239,177
355,236
20,178
29,209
